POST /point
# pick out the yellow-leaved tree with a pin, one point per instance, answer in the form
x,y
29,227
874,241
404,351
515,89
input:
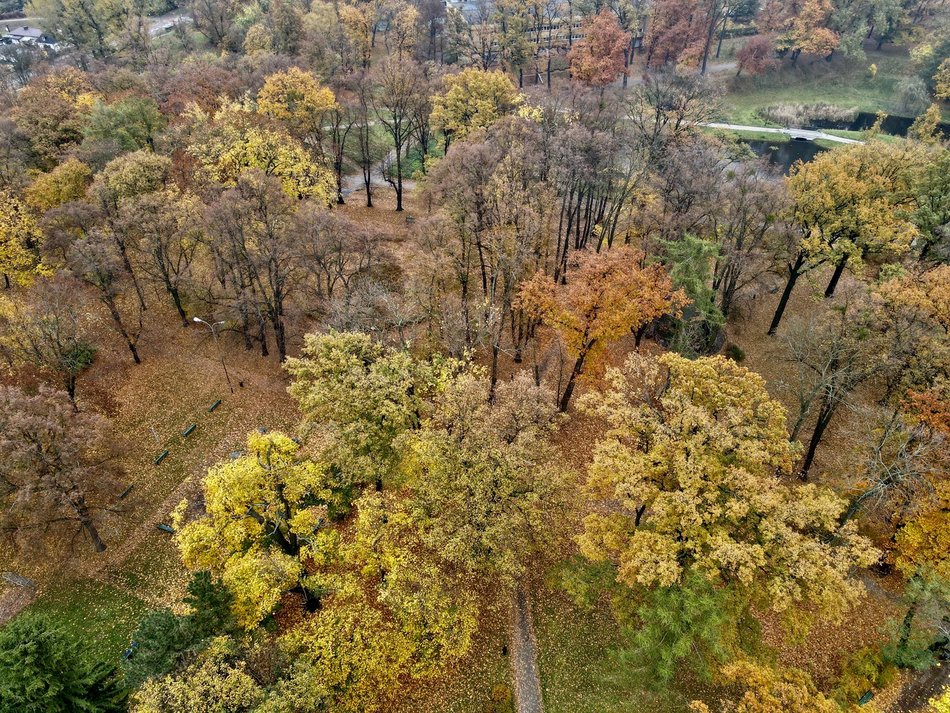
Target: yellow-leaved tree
x,y
233,141
266,513
689,502
19,241
297,98
473,99
850,203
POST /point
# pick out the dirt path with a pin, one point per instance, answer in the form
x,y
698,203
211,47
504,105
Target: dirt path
x,y
925,686
524,656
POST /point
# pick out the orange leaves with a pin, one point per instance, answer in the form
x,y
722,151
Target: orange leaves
x,y
599,58
606,296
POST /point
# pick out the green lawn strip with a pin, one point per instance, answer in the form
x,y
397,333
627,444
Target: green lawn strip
x,y
98,616
749,135
153,570
851,86
580,673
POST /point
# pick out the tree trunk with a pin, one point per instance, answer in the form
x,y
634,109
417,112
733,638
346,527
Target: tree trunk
x,y
824,418
839,270
794,272
572,379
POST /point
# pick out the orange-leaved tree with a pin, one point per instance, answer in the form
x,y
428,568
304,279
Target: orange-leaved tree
x,y
606,296
598,59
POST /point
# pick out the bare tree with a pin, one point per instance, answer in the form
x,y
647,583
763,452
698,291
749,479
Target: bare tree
x,y
55,465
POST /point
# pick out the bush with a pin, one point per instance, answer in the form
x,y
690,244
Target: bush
x,y
912,96
502,700
734,352
801,114
866,669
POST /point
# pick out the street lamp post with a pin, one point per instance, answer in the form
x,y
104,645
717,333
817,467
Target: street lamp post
x,y
214,333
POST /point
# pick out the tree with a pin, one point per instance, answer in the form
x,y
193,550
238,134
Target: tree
x,y
164,638
677,32
932,207
41,671
265,518
756,56
216,681
47,330
55,469
214,19
835,353
132,123
396,95
761,689
252,236
295,97
599,57
473,99
685,482
51,111
67,182
95,260
849,204
19,241
363,397
694,620
90,26
606,296
165,227
232,142
485,481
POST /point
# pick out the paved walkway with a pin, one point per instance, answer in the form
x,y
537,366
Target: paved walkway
x,y
802,134
524,656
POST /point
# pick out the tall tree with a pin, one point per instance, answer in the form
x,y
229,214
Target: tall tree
x,y
599,58
849,203
606,296
397,92
47,330
56,466
687,474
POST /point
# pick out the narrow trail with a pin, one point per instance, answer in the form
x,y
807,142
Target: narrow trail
x,y
524,656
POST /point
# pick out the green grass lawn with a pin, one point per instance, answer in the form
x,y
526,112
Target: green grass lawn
x,y
844,84
100,617
580,671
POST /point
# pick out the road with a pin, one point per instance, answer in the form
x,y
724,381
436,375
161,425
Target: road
x,y
524,656
162,24
801,134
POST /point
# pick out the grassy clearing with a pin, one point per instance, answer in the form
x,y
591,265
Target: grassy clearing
x,y
97,616
841,83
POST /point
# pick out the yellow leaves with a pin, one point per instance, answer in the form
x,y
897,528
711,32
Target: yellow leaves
x,y
296,97
67,182
849,201
473,99
688,465
762,689
265,513
924,542
212,683
258,579
234,142
19,240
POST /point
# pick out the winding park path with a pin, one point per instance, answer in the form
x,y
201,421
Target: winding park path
x,y
524,656
800,134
